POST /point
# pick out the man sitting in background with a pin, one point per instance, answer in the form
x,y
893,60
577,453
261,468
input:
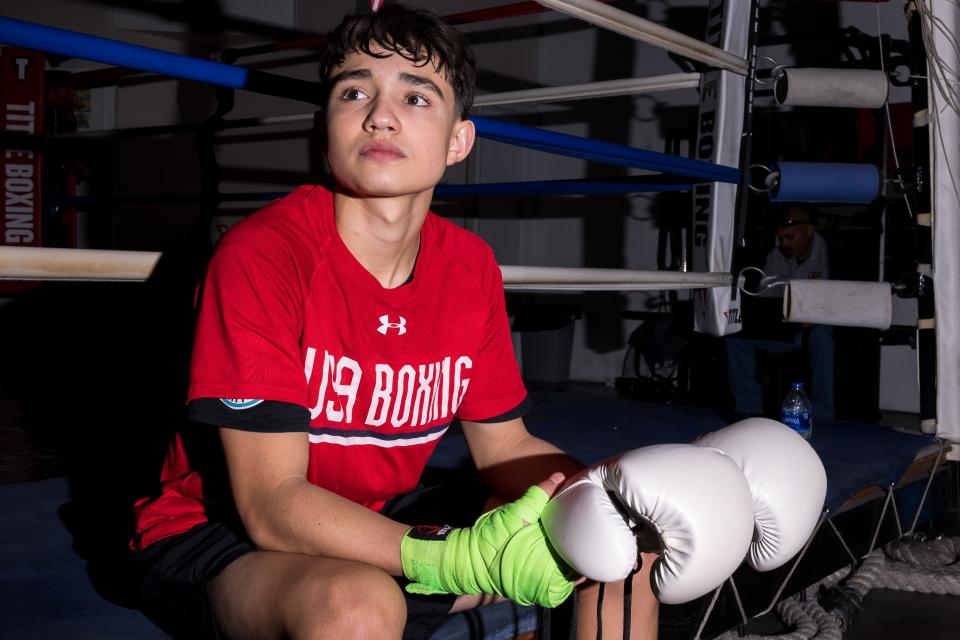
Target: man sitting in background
x,y
800,253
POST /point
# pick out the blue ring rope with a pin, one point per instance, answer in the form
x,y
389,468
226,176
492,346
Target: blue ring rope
x,y
79,45
608,152
73,44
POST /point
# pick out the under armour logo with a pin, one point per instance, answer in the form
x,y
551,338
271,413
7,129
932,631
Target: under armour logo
x,y
386,325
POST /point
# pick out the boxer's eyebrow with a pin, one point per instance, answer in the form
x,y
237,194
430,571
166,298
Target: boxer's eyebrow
x,y
350,74
423,82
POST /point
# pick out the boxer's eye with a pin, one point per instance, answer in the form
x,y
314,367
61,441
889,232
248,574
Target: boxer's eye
x,y
353,94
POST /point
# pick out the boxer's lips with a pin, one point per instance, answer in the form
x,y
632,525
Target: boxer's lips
x,y
381,152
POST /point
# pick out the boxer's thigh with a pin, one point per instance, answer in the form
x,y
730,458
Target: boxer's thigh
x,y
268,594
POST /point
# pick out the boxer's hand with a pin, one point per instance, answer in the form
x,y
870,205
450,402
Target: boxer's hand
x,y
504,552
787,480
695,500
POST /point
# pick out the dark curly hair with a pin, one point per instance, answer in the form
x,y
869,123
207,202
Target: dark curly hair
x,y
418,35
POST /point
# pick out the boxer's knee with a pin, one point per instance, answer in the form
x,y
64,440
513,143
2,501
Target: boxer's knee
x,y
357,602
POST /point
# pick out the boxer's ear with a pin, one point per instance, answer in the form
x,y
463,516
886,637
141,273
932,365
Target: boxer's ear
x,y
462,137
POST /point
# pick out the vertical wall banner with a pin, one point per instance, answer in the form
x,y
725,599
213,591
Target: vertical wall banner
x,y
21,111
719,129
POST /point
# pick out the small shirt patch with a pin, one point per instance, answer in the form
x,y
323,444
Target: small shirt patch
x,y
240,403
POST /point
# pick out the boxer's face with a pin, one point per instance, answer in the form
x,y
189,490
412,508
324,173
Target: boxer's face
x,y
796,241
392,126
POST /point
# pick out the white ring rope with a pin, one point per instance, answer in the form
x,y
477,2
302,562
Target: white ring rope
x,y
931,566
42,263
809,619
638,28
941,552
602,89
45,263
522,278
587,90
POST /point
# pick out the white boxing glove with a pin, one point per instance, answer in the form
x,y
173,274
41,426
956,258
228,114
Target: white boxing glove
x,y
788,482
694,498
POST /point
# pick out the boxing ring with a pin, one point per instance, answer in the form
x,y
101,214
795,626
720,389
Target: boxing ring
x,y
878,477
884,486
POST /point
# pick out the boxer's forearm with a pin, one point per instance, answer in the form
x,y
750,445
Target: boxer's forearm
x,y
530,460
510,459
282,511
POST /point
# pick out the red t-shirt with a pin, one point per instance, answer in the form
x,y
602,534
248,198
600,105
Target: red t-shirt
x,y
294,334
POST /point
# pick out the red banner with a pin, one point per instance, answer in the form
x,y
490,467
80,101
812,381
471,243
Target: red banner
x,y
21,111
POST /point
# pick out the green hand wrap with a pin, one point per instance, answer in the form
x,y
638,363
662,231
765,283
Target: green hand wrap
x,y
505,552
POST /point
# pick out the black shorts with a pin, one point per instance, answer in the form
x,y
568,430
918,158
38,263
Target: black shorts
x,y
176,571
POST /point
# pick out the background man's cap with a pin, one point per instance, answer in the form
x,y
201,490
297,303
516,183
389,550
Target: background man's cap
x,y
794,216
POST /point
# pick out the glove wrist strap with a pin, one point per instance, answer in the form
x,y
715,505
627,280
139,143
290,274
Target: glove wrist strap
x,y
422,553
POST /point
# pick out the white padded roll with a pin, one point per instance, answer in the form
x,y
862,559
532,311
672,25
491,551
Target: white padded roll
x,y
843,303
850,88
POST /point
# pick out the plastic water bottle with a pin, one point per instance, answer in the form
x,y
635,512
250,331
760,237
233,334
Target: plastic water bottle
x,y
796,411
